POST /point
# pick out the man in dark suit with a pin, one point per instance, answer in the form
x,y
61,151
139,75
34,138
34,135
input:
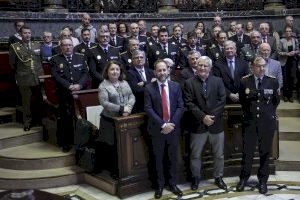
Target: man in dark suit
x,y
259,99
264,30
205,99
231,69
164,108
190,70
116,40
240,38
164,49
191,45
70,74
135,33
25,60
84,46
138,76
99,55
17,36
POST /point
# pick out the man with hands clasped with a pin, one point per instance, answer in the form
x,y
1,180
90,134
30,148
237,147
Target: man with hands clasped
x,y
164,108
205,98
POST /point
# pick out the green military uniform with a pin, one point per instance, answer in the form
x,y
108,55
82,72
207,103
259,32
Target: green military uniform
x,y
249,53
26,61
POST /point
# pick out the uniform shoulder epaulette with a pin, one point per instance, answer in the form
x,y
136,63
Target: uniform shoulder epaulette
x,y
246,76
183,48
271,76
124,52
79,53
93,47
113,47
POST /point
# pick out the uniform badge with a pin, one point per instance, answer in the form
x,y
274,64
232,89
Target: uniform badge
x,y
18,48
129,60
150,43
247,91
157,52
173,43
213,46
98,57
82,50
61,65
247,53
217,55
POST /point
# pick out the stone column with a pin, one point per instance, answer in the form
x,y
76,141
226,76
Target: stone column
x,y
57,6
274,5
166,6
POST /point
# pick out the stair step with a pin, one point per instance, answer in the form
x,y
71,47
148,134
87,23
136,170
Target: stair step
x,y
37,179
12,134
289,151
287,109
287,165
289,128
7,114
38,155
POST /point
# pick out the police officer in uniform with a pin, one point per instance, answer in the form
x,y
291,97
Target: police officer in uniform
x,y
163,49
25,59
259,98
84,46
70,73
126,56
99,55
249,53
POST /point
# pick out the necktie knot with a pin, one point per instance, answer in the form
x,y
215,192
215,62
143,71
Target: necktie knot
x,y
105,51
162,86
69,58
259,83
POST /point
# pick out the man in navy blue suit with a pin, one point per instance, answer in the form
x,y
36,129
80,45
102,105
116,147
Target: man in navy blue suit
x,y
164,108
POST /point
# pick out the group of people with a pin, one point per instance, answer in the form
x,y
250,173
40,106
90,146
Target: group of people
x,y
167,76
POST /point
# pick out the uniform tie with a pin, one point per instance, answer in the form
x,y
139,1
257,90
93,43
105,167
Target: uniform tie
x,y
259,86
105,51
113,41
164,103
165,48
240,39
264,39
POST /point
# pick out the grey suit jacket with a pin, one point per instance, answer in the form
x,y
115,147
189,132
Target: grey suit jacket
x,y
274,69
283,50
112,100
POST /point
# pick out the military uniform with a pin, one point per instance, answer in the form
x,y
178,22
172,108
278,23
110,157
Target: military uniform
x,y
215,53
183,56
83,48
66,73
179,42
126,59
259,122
26,61
156,52
97,60
249,53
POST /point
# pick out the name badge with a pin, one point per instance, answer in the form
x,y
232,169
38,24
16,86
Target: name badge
x,y
268,91
77,65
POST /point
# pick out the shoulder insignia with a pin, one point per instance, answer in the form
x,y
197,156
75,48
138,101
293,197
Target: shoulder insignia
x,y
124,52
270,76
93,47
246,76
79,53
113,47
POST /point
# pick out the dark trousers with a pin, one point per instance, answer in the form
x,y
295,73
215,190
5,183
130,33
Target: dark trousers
x,y
261,132
66,115
161,145
289,74
31,106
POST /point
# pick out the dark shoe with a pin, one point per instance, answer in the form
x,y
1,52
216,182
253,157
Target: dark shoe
x,y
114,175
220,183
174,189
158,193
291,100
26,127
195,183
66,149
262,188
241,185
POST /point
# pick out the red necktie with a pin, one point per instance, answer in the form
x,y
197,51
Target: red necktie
x,y
164,103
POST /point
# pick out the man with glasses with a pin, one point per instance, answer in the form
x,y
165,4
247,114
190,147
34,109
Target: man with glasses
x,y
259,98
206,111
99,55
138,76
